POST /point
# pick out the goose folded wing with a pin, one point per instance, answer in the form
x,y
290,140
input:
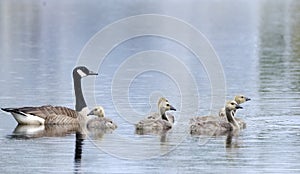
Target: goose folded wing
x,y
47,110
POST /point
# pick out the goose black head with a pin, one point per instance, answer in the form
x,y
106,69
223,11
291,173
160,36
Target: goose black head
x,y
82,71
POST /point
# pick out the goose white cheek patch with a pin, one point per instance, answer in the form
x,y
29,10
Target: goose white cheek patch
x,y
81,73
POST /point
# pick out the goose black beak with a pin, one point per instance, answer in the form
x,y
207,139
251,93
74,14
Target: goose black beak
x,y
172,108
92,73
238,107
91,113
247,99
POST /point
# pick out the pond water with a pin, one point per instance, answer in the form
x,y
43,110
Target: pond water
x,y
257,43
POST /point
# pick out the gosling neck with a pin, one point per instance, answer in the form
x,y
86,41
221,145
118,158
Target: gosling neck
x,y
230,117
162,112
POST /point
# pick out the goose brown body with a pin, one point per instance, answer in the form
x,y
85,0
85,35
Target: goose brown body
x,y
50,114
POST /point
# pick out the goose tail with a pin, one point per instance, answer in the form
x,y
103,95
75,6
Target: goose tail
x,y
13,110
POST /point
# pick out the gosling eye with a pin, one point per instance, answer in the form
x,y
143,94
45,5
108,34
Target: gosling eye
x,y
168,104
232,103
242,96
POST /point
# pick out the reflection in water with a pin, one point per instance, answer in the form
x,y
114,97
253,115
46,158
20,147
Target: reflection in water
x,y
231,142
38,131
228,142
279,48
94,134
78,151
279,63
161,133
97,134
232,146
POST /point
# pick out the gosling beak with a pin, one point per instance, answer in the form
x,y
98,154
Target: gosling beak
x,y
247,99
238,107
92,73
172,108
91,113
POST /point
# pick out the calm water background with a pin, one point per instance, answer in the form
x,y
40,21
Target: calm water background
x,y
258,43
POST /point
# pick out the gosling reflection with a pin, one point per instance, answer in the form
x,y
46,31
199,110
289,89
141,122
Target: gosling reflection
x,y
150,132
231,141
232,146
98,134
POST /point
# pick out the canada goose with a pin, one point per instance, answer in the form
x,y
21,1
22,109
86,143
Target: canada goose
x,y
160,120
48,114
239,99
100,122
204,125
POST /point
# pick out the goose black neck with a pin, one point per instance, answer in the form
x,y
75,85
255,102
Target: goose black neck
x,y
80,102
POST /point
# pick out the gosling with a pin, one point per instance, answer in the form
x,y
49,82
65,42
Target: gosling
x,y
100,122
206,125
160,120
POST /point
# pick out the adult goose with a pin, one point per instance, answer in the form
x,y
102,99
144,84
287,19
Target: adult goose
x,y
205,125
48,114
239,99
100,122
160,120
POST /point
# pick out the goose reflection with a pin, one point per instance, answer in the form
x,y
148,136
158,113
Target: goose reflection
x,y
38,131
78,151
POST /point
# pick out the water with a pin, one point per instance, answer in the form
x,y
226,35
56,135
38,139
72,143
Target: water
x,y
257,43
